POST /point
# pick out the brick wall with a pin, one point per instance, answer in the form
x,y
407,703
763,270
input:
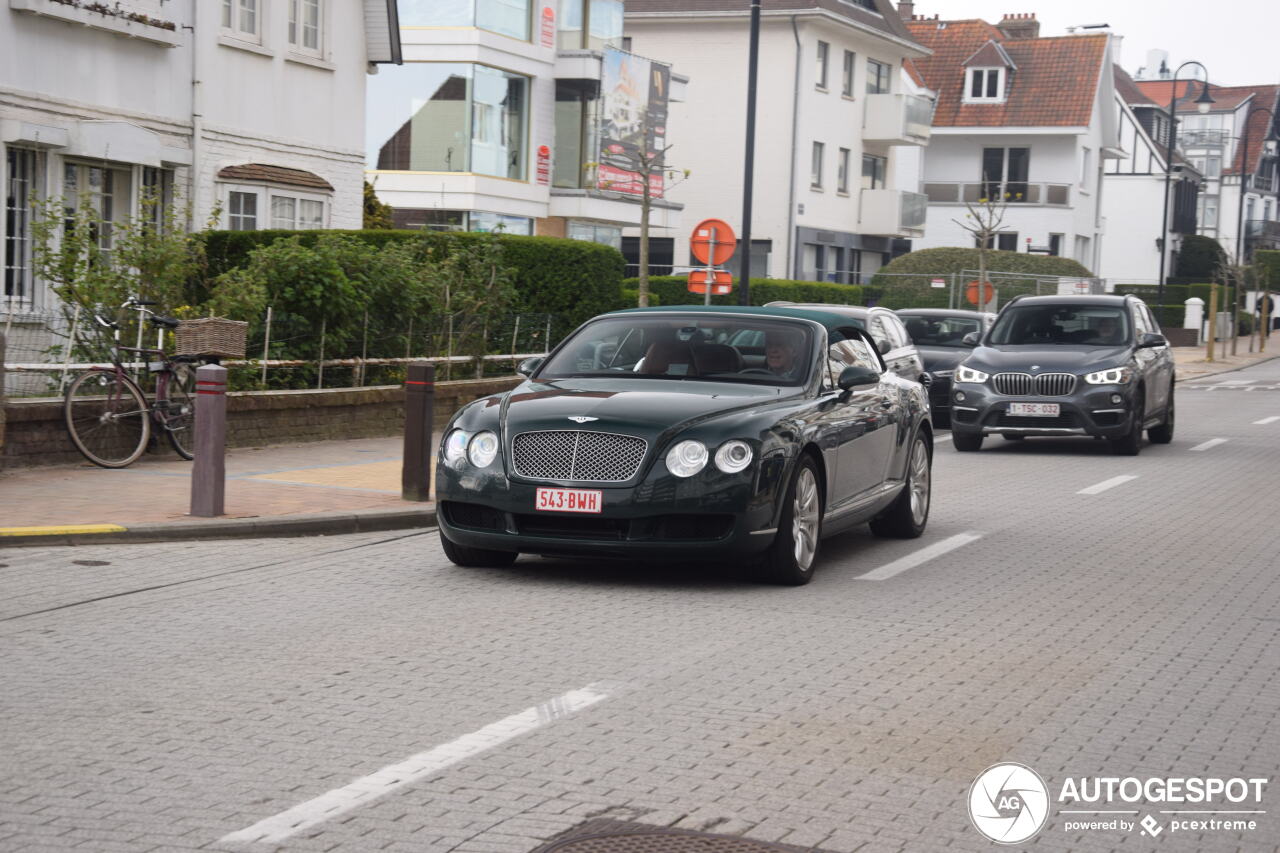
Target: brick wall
x,y
36,435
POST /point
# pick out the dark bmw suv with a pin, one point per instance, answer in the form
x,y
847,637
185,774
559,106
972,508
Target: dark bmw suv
x,y
1066,365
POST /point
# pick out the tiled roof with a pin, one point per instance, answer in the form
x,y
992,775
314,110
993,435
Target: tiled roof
x,y
1224,97
1257,127
990,55
1129,91
885,18
258,172
1054,85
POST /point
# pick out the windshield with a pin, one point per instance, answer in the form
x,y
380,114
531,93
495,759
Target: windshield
x,y
941,331
1091,325
672,347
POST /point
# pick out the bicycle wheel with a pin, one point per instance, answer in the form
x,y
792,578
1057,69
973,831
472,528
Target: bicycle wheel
x,y
178,410
107,418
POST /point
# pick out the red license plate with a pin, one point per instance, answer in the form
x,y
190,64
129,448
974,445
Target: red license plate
x,y
569,500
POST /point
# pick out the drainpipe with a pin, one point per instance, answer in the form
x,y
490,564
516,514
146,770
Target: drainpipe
x,y
197,125
791,184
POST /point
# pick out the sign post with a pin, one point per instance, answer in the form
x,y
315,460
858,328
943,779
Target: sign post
x,y
713,242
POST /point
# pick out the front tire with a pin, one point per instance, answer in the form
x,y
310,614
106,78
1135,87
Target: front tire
x,y
907,516
107,418
1163,434
481,558
966,442
791,558
1130,444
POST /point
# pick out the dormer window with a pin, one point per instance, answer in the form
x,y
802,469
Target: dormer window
x,y
985,85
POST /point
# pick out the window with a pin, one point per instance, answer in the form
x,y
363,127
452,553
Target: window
x,y
481,220
877,77
873,169
662,253
1004,173
1086,160
815,170
590,24
25,176
157,196
842,172
242,211
852,352
1209,212
985,84
507,17
1007,242
304,25
449,117
241,18
823,51
104,190
1055,244
1213,167
846,87
608,235
577,132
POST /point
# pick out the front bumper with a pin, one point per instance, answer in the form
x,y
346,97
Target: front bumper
x,y
665,517
1090,411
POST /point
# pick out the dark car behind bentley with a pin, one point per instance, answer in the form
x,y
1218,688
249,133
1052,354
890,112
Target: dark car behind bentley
x,y
675,434
938,334
1067,365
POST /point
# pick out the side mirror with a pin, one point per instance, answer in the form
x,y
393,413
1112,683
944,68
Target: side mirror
x,y
971,339
854,376
529,365
1151,339
883,346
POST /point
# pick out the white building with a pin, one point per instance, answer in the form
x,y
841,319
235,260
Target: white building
x,y
1020,117
833,118
495,119
255,107
1135,187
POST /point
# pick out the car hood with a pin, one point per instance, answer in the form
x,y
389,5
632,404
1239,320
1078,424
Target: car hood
x,y
943,358
1047,359
646,407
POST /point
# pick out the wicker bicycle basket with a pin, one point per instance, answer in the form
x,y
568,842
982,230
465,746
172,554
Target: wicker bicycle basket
x,y
211,336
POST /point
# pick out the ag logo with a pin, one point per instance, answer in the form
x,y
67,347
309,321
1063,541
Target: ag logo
x,y
1008,803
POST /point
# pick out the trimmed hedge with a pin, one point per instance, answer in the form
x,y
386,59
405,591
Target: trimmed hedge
x,y
944,261
1268,261
572,279
674,290
1200,256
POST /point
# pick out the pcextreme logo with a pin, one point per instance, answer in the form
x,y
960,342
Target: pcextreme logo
x,y
1009,803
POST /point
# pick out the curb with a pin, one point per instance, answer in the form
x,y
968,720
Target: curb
x,y
328,524
1228,369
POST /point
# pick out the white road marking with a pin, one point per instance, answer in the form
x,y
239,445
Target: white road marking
x,y
1213,442
367,789
1107,484
920,557
1269,420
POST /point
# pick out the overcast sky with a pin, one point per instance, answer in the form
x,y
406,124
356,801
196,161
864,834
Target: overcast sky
x,y
1237,40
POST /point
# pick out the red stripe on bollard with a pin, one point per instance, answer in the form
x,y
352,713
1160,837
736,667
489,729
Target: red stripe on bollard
x,y
416,382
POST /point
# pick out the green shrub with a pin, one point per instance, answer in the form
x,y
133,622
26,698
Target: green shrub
x,y
942,262
674,290
1268,263
631,297
1200,256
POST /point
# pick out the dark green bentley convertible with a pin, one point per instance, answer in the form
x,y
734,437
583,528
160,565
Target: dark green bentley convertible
x,y
689,433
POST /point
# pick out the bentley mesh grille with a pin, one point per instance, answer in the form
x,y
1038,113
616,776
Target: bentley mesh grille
x,y
1013,384
565,454
1055,384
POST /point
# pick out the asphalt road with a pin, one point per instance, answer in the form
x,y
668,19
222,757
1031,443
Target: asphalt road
x,y
1095,616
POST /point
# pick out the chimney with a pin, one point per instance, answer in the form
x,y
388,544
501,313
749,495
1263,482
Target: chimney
x,y
906,10
1020,26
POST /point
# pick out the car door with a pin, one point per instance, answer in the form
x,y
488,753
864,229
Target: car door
x,y
858,427
1148,362
1163,364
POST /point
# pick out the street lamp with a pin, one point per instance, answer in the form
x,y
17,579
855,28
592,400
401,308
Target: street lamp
x,y
1268,142
1202,105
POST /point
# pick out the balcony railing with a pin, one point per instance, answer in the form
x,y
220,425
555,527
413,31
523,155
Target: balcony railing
x,y
1015,192
1264,229
1202,138
893,213
898,120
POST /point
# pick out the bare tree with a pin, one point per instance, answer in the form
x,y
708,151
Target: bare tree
x,y
983,220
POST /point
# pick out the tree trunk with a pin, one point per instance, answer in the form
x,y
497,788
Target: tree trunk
x,y
645,201
982,274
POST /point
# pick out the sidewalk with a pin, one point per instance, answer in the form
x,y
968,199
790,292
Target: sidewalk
x,y
322,488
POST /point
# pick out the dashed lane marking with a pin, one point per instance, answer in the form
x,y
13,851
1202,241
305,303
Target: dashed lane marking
x,y
1213,442
1269,420
920,557
369,788
1098,488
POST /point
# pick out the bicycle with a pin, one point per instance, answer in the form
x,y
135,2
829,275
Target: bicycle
x,y
107,413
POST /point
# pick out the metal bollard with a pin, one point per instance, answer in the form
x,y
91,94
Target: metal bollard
x,y
419,400
209,471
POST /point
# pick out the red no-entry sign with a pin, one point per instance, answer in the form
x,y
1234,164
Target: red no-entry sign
x,y
705,233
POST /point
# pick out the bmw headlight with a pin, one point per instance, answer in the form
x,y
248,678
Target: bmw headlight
x,y
943,374
968,374
733,456
455,445
687,458
482,449
1114,376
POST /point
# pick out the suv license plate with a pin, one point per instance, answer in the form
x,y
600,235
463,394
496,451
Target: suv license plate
x,y
1034,410
569,500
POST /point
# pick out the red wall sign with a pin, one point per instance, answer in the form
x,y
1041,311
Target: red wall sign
x,y
548,27
544,164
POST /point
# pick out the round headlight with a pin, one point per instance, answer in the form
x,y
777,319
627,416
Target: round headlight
x,y
455,445
733,456
687,458
482,449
